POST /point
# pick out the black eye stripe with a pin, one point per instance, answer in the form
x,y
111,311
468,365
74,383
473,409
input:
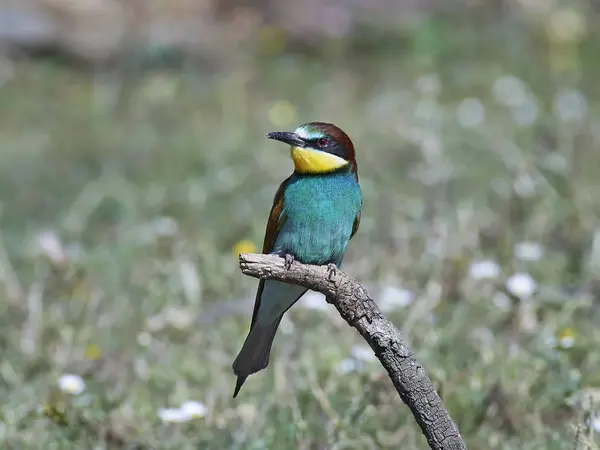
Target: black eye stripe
x,y
320,142
327,145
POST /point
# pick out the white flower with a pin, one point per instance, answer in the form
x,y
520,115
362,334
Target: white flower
x,y
570,105
50,245
470,113
165,226
348,365
362,353
522,285
144,339
485,269
156,323
314,300
525,113
188,410
510,90
524,185
596,423
429,84
567,341
194,409
566,338
528,251
190,281
174,415
72,384
180,318
392,297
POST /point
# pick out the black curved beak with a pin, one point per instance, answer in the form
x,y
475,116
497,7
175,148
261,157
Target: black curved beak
x,y
287,137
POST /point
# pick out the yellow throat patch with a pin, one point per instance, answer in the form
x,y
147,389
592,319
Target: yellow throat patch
x,y
307,160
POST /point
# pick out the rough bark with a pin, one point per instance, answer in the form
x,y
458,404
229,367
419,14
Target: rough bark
x,y
360,311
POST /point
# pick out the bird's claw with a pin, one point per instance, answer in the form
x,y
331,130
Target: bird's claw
x,y
289,260
331,270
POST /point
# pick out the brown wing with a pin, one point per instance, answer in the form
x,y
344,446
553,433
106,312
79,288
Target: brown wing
x,y
356,224
276,220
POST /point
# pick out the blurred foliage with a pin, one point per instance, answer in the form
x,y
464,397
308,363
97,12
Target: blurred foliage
x,y
126,193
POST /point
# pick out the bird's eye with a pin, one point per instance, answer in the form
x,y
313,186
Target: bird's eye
x,y
322,142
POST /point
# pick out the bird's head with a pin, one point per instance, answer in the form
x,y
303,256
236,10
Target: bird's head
x,y
318,148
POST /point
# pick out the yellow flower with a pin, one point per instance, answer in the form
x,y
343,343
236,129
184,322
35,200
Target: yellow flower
x,y
272,39
566,25
566,338
282,114
244,246
92,352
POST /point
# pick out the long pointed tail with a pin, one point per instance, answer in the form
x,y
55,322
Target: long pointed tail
x,y
254,355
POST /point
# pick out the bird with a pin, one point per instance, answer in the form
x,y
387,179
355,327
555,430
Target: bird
x,y
315,213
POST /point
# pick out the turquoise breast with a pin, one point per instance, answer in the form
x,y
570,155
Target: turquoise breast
x,y
319,214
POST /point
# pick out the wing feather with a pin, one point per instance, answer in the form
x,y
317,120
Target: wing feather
x,y
356,224
274,224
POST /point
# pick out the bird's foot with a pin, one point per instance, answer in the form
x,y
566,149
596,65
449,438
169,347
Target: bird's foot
x,y
289,260
331,270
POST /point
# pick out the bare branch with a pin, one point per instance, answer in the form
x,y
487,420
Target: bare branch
x,y
360,311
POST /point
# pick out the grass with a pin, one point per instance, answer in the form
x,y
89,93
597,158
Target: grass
x,y
123,201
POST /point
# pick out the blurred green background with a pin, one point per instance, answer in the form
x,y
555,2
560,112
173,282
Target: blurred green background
x,y
134,169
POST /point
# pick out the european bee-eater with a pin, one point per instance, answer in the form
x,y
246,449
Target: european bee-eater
x,y
315,212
